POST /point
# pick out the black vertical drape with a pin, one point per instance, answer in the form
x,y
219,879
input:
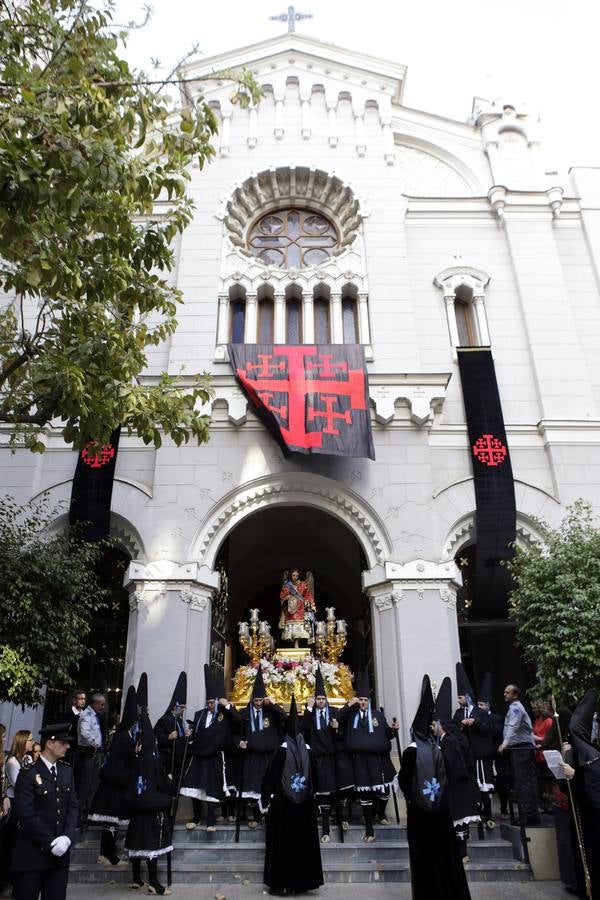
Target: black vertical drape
x,y
91,493
496,513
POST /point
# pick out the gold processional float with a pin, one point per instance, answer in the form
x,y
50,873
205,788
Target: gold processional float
x,y
291,670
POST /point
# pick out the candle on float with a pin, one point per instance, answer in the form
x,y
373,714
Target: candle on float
x,y
254,616
330,610
341,626
320,629
262,628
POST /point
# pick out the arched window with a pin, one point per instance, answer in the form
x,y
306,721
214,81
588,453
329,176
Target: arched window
x,y
265,320
349,324
293,329
322,323
467,334
238,320
293,238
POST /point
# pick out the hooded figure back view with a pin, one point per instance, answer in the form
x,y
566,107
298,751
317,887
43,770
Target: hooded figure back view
x,y
149,798
586,786
435,864
292,849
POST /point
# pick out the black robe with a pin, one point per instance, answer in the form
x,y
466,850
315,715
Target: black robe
x,y
369,752
292,848
463,794
149,831
171,752
485,736
586,791
333,769
261,746
436,868
109,806
205,777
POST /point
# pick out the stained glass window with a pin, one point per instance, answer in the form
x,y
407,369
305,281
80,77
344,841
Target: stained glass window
x,y
322,333
349,321
238,321
293,238
294,321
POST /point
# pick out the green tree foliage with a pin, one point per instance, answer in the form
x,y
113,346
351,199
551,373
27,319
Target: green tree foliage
x,y
556,604
89,151
49,591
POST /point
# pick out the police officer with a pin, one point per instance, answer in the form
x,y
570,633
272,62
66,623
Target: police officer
x,y
46,808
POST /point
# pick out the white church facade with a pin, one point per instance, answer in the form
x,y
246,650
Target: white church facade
x,y
332,213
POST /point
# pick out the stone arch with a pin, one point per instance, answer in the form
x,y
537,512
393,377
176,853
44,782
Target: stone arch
x,y
532,503
430,171
292,489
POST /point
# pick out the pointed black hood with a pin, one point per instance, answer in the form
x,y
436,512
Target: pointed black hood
x,y
218,681
424,714
258,689
485,691
581,729
179,697
209,687
362,687
142,692
443,703
292,720
319,684
129,716
463,685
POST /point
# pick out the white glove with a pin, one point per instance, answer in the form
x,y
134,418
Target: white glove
x,y
60,845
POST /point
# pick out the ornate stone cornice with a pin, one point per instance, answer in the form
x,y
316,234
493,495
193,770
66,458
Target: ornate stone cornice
x,y
195,599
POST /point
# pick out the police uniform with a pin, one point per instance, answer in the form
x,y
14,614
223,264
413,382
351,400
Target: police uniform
x,y
46,808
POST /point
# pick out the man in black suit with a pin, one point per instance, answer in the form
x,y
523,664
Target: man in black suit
x,y
71,715
46,808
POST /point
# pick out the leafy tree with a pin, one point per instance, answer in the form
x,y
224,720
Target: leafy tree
x,y
89,150
50,590
556,603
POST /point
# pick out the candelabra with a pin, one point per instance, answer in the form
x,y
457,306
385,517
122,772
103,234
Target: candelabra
x,y
330,637
255,637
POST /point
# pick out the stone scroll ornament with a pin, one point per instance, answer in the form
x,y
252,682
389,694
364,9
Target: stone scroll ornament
x,y
494,484
312,398
91,493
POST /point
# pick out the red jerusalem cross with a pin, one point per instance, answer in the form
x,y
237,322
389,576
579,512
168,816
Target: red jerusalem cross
x,y
489,450
102,459
260,380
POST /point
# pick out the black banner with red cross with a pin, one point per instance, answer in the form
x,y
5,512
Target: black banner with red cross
x,y
494,483
312,398
91,493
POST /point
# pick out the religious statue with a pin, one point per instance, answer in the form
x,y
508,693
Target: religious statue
x,y
297,619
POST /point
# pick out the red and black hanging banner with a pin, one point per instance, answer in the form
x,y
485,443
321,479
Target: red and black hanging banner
x,y
494,484
91,493
312,398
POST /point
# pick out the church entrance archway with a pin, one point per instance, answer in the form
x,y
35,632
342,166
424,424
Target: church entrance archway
x,y
252,560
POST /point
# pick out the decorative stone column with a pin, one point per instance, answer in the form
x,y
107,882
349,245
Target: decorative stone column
x,y
279,319
279,130
251,320
252,138
308,318
169,628
332,122
306,129
225,143
337,324
223,320
364,331
359,130
415,631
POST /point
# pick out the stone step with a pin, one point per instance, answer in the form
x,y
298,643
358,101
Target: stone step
x,y
335,871
231,854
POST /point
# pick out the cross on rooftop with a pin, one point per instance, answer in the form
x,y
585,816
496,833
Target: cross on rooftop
x,y
291,17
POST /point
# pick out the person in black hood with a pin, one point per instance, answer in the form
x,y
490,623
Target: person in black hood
x,y
319,725
262,729
435,866
204,777
172,731
292,849
367,739
109,805
149,798
462,788
484,731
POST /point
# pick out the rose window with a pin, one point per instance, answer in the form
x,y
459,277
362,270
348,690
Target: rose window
x,y
293,239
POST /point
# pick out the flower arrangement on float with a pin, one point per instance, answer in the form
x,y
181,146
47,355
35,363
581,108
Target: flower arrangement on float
x,y
284,676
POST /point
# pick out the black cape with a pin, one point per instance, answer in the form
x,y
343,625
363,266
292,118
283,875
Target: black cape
x,y
292,850
205,776
261,746
436,868
333,768
463,794
109,805
369,752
